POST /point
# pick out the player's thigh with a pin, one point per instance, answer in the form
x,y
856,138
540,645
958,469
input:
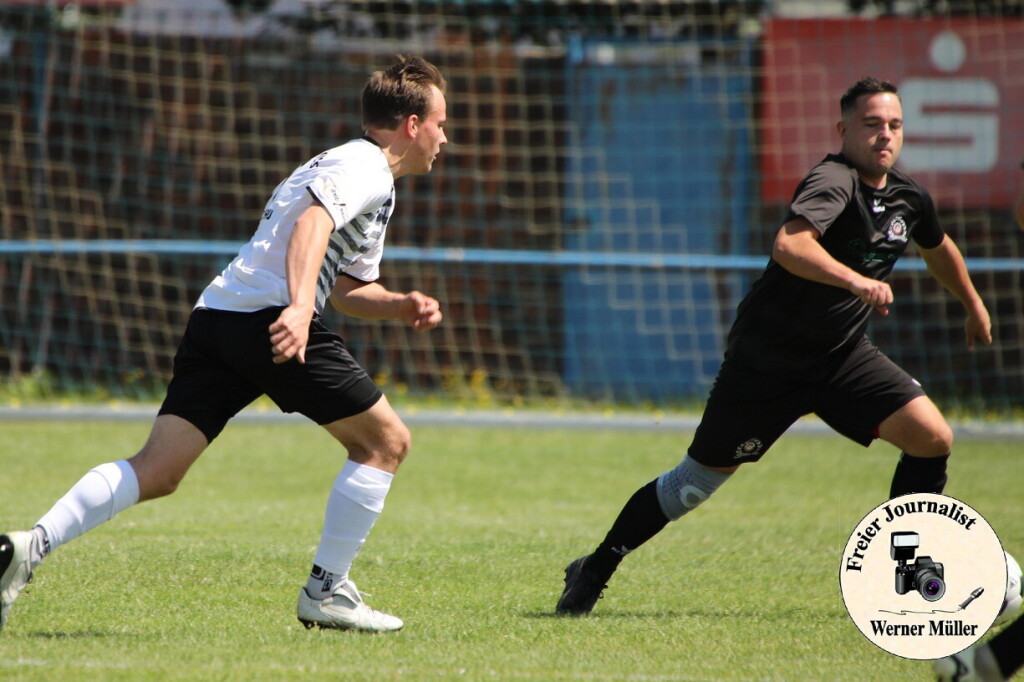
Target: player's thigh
x,y
746,412
207,389
866,390
376,437
329,386
919,429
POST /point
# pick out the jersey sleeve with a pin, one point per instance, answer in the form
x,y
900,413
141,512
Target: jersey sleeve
x,y
366,267
928,232
822,196
355,186
344,194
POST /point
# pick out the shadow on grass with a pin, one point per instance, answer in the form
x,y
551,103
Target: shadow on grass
x,y
604,615
698,613
85,634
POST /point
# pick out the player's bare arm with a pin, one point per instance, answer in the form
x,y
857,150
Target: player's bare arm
x,y
306,248
946,264
797,249
370,300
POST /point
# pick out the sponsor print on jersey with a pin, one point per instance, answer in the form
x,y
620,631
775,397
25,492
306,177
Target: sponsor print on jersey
x,y
866,255
335,195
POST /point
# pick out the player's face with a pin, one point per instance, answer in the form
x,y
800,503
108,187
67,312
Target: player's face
x,y
873,136
430,135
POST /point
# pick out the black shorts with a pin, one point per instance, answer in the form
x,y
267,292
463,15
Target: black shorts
x,y
225,361
749,410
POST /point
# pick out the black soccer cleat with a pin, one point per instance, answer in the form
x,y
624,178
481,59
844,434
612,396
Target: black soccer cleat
x,y
582,589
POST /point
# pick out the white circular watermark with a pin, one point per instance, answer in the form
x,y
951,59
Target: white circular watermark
x,y
923,576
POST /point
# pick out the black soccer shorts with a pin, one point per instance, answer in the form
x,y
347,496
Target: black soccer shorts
x,y
225,361
749,409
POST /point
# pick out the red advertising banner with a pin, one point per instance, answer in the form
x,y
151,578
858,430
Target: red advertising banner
x,y
961,82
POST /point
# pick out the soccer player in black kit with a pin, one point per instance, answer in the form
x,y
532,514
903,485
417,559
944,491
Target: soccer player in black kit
x,y
799,344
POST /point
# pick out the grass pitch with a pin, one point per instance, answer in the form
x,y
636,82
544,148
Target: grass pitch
x,y
469,552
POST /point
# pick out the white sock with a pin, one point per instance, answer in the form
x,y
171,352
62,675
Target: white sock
x,y
355,502
97,497
986,665
39,548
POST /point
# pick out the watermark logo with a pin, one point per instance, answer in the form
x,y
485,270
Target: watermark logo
x,y
923,576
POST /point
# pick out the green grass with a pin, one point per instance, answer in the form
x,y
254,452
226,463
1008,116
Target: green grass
x,y
469,552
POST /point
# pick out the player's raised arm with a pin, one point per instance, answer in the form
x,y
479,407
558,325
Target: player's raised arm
x,y
798,251
947,266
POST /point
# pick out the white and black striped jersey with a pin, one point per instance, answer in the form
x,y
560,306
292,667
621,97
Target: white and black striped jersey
x,y
355,185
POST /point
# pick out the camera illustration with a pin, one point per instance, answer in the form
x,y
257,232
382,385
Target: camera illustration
x,y
923,575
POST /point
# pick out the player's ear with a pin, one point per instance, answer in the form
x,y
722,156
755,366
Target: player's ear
x,y
411,126
841,128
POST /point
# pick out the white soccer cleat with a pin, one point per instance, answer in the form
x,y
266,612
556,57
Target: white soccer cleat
x,y
956,668
962,667
344,610
15,569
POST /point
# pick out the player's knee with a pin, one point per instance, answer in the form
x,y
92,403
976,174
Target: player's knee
x,y
166,486
400,444
385,450
155,478
938,442
682,489
944,441
154,484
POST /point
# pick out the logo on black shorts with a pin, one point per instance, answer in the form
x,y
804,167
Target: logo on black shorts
x,y
749,448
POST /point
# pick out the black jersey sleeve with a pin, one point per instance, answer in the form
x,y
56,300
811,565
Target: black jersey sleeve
x,y
927,232
823,195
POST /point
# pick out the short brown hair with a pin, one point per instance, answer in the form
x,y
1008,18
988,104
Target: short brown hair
x,y
399,91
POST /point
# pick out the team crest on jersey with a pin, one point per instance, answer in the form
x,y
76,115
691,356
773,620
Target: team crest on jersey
x,y
749,448
897,230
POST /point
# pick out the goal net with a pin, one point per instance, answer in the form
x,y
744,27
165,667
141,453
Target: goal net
x,y
615,174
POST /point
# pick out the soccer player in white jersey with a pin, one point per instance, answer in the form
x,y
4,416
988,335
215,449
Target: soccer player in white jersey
x,y
257,329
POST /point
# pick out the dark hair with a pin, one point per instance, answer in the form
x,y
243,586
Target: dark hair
x,y
865,86
401,90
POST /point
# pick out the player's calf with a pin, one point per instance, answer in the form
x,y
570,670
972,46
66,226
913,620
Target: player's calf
x,y
918,475
682,489
667,498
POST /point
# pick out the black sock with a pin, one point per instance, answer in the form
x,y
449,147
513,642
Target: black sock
x,y
918,475
1006,648
639,521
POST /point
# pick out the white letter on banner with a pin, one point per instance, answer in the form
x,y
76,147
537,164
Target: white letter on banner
x,y
961,141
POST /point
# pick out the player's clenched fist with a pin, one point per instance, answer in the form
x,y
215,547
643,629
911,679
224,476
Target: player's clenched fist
x,y
421,312
872,292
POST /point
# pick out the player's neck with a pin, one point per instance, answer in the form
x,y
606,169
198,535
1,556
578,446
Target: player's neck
x,y
392,147
875,182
